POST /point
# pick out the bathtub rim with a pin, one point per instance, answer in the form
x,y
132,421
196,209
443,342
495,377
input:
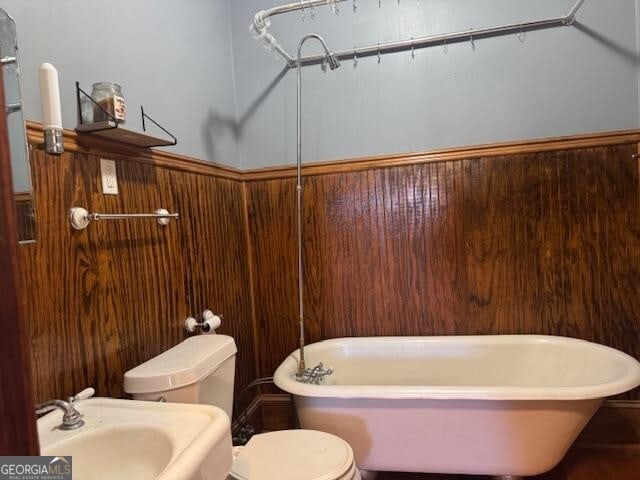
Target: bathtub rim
x,y
626,382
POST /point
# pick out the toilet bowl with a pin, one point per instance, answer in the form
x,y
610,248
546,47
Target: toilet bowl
x,y
294,455
201,370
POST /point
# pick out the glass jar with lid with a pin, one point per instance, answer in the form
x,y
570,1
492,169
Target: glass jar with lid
x,y
109,96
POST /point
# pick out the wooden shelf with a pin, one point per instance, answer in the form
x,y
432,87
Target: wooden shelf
x,y
110,130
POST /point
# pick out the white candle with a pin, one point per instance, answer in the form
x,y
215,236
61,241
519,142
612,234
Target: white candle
x,y
50,97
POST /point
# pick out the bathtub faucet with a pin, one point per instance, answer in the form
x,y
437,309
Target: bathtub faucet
x,y
313,376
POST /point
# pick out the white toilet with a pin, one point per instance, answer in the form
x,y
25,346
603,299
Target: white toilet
x,y
201,369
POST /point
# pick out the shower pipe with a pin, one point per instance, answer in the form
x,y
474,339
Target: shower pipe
x,y
261,23
333,64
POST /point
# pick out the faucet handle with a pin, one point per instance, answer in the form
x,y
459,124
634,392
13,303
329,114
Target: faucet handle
x,y
83,395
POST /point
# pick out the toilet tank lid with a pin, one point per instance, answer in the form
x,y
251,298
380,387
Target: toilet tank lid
x,y
185,364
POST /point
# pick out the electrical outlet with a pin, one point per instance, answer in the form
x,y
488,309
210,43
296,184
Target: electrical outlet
x,y
109,177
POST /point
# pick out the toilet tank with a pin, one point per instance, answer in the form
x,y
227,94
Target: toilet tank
x,y
201,370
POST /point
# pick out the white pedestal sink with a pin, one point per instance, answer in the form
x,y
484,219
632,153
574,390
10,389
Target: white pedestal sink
x,y
133,440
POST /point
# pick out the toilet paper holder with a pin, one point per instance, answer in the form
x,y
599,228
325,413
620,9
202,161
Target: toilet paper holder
x,y
210,322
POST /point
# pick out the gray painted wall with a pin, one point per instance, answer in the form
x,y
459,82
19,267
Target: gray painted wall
x,y
175,58
558,82
197,70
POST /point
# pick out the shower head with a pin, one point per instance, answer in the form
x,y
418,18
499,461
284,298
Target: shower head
x,y
333,61
330,57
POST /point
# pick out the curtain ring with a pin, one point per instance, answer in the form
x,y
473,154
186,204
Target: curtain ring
x,y
522,36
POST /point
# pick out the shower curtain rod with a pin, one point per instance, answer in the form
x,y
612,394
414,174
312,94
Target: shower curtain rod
x,y
261,23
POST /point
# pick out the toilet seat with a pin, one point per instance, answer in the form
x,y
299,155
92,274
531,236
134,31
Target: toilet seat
x,y
295,455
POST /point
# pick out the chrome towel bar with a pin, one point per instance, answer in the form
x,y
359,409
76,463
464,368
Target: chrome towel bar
x,y
81,218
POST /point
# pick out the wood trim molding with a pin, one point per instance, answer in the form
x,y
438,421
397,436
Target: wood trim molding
x,y
91,144
87,143
275,398
449,154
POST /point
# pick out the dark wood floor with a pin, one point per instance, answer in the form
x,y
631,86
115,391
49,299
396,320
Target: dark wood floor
x,y
582,463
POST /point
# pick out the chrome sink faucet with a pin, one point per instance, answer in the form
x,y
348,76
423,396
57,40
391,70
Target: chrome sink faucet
x,y
71,418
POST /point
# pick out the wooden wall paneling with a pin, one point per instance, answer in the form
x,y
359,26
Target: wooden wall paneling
x,y
103,300
383,242
550,247
251,278
25,216
544,240
214,245
504,206
599,203
328,267
533,243
277,413
443,241
371,268
585,220
53,292
272,231
107,294
141,281
617,422
616,216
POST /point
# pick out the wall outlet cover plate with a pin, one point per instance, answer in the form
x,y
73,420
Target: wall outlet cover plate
x,y
109,177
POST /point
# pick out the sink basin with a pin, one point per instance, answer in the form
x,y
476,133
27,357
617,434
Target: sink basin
x,y
117,452
134,440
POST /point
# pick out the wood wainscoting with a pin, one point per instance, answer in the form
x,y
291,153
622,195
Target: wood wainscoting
x,y
102,300
528,237
525,243
25,216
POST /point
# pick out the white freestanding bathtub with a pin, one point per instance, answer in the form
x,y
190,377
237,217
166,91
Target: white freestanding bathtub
x,y
488,405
